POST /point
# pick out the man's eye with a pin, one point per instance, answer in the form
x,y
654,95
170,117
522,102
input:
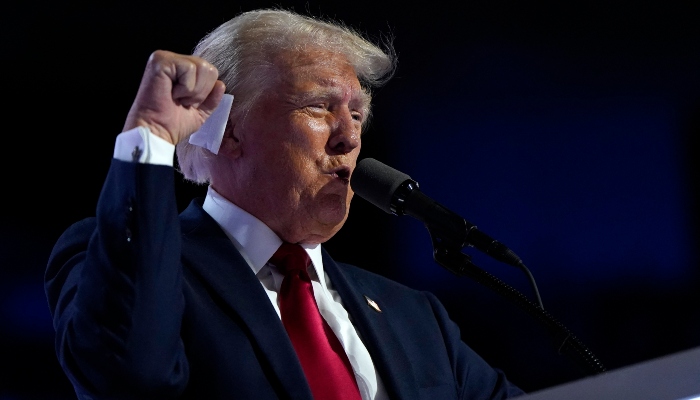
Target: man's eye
x,y
357,116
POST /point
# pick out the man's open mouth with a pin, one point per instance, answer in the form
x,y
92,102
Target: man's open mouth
x,y
343,173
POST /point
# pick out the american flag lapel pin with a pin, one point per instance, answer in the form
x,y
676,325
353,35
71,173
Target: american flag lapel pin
x,y
373,304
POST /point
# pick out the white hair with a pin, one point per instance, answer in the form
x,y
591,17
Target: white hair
x,y
243,50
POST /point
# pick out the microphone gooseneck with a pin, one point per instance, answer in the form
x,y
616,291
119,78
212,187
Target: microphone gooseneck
x,y
396,193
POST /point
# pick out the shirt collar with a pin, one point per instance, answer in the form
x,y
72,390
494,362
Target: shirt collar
x,y
254,240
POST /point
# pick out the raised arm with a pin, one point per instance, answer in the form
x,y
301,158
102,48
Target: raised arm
x,y
114,282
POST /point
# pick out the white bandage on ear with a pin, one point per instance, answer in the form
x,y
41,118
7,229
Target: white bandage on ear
x,y
211,132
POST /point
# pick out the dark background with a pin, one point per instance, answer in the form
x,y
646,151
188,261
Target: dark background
x,y
566,130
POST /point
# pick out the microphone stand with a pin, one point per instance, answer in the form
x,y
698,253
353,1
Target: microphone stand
x,y
452,258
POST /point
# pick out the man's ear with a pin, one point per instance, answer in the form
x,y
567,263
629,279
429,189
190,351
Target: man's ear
x,y
231,142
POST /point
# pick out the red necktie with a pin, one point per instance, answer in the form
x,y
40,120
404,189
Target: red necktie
x,y
322,357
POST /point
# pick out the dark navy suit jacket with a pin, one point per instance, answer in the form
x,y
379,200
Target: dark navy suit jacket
x,y
149,304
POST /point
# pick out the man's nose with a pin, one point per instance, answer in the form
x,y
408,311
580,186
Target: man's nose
x,y
345,133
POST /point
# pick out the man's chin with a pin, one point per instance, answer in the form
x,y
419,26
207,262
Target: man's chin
x,y
333,221
329,213
329,225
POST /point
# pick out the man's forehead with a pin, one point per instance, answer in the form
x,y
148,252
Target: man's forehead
x,y
330,84
318,70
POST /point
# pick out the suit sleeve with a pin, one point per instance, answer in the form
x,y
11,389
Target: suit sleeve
x,y
114,287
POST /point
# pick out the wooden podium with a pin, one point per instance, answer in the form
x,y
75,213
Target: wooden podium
x,y
672,377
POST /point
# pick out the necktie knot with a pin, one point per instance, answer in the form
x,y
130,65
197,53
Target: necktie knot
x,y
290,259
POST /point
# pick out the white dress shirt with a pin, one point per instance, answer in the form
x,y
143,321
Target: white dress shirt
x,y
257,243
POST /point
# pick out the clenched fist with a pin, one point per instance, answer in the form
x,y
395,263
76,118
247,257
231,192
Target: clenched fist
x,y
176,95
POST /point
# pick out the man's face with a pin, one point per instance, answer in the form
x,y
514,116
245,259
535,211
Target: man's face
x,y
299,145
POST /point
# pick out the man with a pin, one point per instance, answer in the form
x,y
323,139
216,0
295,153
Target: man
x,y
148,304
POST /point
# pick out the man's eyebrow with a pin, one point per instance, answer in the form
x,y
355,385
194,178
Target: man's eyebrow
x,y
324,92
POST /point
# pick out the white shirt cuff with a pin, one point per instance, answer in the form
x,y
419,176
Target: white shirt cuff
x,y
142,146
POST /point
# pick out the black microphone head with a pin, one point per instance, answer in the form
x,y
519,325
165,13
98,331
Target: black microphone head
x,y
377,182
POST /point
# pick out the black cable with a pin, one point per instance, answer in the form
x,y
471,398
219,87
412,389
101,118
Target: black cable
x,y
565,341
532,283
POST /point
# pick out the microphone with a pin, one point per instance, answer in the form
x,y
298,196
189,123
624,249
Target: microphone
x,y
396,193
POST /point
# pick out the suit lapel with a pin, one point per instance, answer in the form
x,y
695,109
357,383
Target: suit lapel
x,y
221,266
379,337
